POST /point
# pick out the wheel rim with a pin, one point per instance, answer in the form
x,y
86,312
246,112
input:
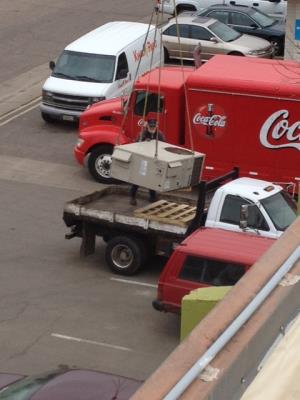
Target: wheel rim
x,y
276,47
102,165
122,256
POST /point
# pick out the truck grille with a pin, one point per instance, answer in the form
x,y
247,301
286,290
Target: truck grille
x,y
68,102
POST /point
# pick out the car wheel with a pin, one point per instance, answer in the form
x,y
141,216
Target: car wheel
x,y
166,55
47,118
277,46
99,163
125,255
236,53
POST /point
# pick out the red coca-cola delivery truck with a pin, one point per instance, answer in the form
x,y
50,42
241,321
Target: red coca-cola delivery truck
x,y
239,111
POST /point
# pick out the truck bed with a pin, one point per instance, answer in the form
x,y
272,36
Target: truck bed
x,y
110,206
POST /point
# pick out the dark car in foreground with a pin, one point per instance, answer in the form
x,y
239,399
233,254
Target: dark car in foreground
x,y
250,21
67,384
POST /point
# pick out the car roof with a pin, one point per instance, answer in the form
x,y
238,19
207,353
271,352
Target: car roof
x,y
113,36
194,19
243,8
221,244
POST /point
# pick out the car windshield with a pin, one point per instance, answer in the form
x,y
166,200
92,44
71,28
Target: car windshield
x,y
25,388
224,32
262,19
85,67
281,209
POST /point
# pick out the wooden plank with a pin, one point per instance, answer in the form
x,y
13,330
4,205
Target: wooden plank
x,y
168,212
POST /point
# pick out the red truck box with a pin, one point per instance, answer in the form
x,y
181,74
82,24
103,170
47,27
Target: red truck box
x,y
240,111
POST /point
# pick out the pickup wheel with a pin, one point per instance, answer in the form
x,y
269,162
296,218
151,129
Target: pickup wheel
x,y
125,255
99,163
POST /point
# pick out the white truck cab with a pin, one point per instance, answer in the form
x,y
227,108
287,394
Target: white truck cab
x,y
274,8
270,209
100,65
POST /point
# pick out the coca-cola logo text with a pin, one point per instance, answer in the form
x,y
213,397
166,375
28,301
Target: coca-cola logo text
x,y
276,128
209,120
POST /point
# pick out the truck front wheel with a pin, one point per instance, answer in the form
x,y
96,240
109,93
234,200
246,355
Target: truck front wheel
x,y
99,163
125,255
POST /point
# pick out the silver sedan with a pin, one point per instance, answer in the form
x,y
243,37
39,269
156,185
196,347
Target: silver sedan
x,y
180,39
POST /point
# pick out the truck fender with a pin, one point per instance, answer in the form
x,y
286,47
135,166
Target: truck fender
x,y
108,134
98,154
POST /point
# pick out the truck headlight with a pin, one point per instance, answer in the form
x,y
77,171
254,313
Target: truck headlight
x,y
96,99
47,96
79,142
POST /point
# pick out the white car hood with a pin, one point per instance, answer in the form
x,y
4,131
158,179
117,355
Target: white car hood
x,y
252,42
76,88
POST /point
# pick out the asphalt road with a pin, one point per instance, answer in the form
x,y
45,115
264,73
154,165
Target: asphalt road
x,y
57,309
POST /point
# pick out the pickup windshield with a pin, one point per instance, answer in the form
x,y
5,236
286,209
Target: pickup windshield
x,y
281,209
85,67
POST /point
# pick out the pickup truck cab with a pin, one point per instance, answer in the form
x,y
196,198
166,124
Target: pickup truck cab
x,y
208,257
270,210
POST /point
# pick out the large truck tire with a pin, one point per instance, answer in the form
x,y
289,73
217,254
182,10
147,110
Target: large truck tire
x,y
99,163
125,255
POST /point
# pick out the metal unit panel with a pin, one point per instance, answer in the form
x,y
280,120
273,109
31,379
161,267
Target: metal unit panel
x,y
157,165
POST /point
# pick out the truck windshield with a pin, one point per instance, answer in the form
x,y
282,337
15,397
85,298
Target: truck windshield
x,y
85,67
224,32
281,209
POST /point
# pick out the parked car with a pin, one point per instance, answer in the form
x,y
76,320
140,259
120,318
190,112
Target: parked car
x,y
214,36
274,8
208,257
67,384
250,21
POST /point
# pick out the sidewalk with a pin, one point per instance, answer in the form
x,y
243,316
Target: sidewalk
x,y
22,89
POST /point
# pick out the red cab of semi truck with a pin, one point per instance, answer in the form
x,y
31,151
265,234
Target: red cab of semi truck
x,y
239,111
208,257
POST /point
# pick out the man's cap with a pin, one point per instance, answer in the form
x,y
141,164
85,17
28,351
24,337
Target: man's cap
x,y
152,122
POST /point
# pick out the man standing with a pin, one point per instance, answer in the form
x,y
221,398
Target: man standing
x,y
149,132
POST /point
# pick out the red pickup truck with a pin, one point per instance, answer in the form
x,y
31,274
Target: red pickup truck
x,y
208,257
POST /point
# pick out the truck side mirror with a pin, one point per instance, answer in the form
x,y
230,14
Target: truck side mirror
x,y
244,215
52,65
